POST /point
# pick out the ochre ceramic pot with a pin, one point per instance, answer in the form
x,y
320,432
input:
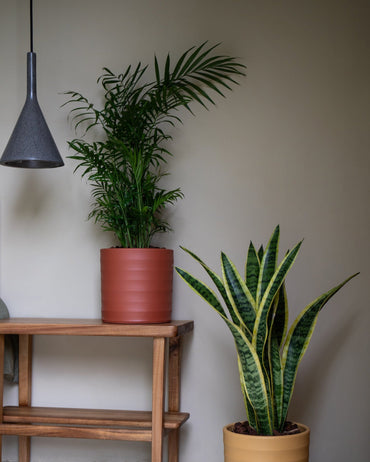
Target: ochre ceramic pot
x,y
136,285
248,448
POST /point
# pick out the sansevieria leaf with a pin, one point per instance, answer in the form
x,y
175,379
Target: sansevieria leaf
x,y
248,407
260,326
298,339
268,264
268,358
252,270
218,283
239,295
201,289
280,321
276,381
254,380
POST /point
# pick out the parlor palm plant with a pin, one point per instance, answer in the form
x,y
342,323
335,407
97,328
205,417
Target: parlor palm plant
x,y
268,355
125,163
123,150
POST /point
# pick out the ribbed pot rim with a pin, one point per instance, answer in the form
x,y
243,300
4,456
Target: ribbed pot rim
x,y
135,249
303,427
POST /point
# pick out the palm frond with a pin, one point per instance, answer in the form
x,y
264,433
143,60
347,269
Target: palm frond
x,y
125,165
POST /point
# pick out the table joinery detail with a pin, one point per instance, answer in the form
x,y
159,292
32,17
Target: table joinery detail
x,y
27,421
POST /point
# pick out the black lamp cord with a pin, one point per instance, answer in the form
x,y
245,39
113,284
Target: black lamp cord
x,y
31,25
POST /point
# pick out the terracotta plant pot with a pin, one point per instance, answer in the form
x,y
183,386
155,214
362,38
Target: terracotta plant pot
x,y
248,448
136,285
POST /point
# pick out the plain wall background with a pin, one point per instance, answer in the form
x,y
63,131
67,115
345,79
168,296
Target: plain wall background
x,y
290,145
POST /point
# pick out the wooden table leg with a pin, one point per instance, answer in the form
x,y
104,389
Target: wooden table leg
x,y
25,384
174,378
2,340
159,359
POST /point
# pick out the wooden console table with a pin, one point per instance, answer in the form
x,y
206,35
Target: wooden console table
x,y
26,421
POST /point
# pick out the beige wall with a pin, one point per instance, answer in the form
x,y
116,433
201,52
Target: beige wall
x,y
289,146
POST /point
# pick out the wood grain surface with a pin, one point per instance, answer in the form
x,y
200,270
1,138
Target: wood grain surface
x,y
92,327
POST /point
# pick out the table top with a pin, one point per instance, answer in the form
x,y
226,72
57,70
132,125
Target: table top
x,y
91,327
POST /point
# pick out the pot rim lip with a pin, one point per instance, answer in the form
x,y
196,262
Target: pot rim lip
x,y
136,249
306,430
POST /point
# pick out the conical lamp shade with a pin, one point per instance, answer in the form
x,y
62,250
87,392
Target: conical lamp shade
x,y
31,144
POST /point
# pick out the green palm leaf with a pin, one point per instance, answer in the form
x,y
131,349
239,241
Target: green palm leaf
x,y
134,125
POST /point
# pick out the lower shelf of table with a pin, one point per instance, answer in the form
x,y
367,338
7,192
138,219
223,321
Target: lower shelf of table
x,y
85,423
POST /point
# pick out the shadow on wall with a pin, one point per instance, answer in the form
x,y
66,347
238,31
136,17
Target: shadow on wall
x,y
40,202
34,197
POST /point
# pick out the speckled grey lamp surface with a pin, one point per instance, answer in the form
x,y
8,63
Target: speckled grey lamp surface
x,y
31,144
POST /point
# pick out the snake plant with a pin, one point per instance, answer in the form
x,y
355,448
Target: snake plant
x,y
130,134
257,316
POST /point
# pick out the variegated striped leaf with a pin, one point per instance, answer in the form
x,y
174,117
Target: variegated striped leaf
x,y
251,415
260,325
238,293
280,323
297,341
268,264
252,270
266,356
276,336
260,253
276,381
254,380
259,312
201,289
218,282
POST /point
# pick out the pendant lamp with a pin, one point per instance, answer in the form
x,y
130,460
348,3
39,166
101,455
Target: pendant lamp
x,y
31,144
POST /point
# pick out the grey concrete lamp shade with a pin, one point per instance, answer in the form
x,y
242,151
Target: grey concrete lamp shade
x,y
31,144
